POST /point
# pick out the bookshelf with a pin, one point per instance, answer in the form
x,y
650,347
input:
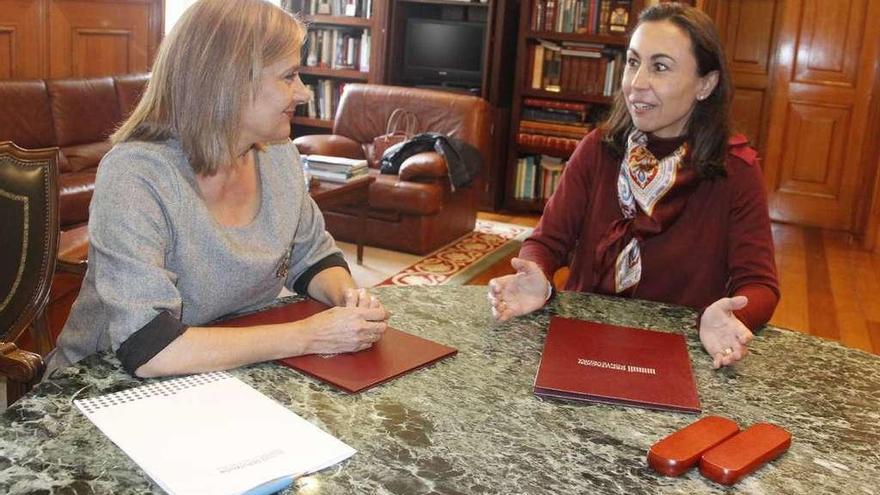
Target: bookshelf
x,y
345,44
570,56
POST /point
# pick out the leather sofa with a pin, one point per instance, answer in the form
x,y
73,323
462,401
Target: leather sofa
x,y
77,116
416,211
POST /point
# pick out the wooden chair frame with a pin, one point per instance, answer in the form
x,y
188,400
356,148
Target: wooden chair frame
x,y
22,369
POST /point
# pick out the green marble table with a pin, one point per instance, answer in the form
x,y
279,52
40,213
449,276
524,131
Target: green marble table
x,y
470,424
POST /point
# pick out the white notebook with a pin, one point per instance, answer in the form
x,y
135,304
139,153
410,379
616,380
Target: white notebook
x,y
212,433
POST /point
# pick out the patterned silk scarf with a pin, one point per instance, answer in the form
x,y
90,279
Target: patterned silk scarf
x,y
652,194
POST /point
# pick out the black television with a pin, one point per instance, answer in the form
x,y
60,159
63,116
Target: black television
x,y
443,53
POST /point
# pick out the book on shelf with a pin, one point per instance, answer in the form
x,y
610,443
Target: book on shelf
x,y
335,168
339,8
395,354
549,144
212,433
570,67
537,176
578,16
335,163
337,177
574,131
325,94
597,362
338,48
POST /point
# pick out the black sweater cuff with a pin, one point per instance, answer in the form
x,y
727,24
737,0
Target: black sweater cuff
x,y
301,285
145,343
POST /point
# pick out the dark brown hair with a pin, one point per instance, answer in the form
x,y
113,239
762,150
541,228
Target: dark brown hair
x,y
709,125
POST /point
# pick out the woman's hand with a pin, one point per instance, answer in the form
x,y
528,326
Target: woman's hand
x,y
354,327
518,294
723,336
360,298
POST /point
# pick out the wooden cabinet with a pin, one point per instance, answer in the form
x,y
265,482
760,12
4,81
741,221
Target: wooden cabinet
x,y
345,44
569,64
78,38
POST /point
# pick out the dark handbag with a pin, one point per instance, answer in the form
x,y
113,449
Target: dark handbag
x,y
401,126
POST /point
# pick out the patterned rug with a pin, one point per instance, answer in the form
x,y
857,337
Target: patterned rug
x,y
463,259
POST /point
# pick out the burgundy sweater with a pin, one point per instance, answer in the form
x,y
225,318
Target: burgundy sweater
x,y
720,246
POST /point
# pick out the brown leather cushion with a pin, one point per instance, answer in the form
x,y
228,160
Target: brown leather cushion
x,y
25,115
330,145
425,166
83,110
75,193
414,198
85,156
129,90
73,244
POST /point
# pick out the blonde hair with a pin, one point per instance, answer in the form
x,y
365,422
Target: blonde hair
x,y
207,69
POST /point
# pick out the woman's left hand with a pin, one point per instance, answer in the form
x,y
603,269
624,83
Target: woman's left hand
x,y
723,336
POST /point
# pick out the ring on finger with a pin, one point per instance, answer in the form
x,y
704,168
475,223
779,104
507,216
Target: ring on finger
x,y
728,351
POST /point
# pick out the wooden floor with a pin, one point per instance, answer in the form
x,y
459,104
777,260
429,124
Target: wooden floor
x,y
830,288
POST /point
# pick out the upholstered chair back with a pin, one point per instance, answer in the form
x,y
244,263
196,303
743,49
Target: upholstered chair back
x,y
28,247
364,110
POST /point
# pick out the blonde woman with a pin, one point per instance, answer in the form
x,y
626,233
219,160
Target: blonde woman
x,y
200,210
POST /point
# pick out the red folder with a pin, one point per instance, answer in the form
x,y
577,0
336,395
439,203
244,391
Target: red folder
x,y
596,362
395,354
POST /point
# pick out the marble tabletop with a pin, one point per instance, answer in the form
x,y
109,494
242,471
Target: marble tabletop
x,y
471,424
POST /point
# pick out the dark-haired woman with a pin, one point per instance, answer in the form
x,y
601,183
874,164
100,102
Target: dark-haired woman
x,y
661,202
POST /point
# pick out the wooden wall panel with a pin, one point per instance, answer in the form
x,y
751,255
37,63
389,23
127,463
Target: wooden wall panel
x,y
7,52
98,38
829,41
747,30
824,82
98,52
816,139
22,39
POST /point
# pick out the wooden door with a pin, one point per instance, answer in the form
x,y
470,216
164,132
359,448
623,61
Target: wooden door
x,y
819,160
98,38
747,30
22,38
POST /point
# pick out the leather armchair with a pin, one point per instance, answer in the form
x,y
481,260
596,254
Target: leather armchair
x,y
417,210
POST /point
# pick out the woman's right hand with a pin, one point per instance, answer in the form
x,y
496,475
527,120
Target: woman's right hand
x,y
518,294
345,329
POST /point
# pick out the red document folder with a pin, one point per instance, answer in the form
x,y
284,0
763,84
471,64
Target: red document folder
x,y
395,354
590,361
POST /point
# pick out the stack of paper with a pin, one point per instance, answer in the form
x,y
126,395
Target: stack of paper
x,y
335,168
212,433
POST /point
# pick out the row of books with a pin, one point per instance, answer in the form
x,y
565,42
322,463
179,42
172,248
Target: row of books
x,y
553,145
339,48
585,68
334,168
562,111
581,16
537,176
325,99
348,8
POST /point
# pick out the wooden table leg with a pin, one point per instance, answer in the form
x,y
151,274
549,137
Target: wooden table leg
x,y
362,231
